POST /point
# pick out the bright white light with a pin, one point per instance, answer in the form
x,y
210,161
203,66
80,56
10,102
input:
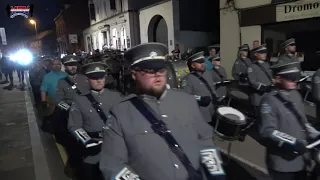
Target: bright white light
x,y
23,57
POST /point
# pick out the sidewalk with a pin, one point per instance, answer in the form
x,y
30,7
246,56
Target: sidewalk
x,y
25,152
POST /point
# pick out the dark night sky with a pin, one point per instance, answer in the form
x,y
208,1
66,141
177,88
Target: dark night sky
x,y
44,13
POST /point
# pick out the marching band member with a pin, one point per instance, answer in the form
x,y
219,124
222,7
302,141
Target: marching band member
x,y
87,117
157,133
200,83
240,66
259,76
67,88
283,125
219,75
289,47
316,91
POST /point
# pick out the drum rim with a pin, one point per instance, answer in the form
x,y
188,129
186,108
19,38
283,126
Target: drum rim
x,y
236,90
242,117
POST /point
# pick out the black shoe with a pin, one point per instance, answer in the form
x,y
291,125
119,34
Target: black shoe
x,y
4,82
10,87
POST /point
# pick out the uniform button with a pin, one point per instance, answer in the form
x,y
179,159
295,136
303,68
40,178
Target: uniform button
x,y
145,132
90,110
176,166
168,131
176,145
158,102
100,103
164,115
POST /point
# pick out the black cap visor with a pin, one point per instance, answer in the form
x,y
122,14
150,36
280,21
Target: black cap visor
x,y
262,51
294,76
96,75
71,64
150,64
293,44
199,61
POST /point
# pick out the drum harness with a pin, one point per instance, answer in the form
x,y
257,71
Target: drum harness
x,y
219,73
265,71
160,128
289,105
95,105
247,65
213,95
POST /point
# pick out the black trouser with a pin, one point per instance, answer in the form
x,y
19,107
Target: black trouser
x,y
251,128
63,137
9,73
20,75
276,175
89,172
36,94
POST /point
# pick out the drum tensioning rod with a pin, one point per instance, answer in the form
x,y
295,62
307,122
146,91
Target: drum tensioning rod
x,y
229,142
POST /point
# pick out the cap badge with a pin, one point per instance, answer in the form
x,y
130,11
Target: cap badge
x,y
97,69
153,54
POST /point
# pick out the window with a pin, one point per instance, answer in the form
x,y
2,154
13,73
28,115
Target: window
x,y
113,4
105,8
121,6
92,12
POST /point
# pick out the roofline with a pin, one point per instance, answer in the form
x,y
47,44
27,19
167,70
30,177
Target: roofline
x,y
60,14
155,4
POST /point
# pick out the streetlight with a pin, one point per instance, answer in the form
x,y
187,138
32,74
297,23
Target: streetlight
x,y
35,25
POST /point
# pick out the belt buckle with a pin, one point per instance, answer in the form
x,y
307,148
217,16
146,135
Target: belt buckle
x,y
159,127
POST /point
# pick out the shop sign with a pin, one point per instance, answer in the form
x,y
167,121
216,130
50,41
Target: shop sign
x,y
73,38
298,10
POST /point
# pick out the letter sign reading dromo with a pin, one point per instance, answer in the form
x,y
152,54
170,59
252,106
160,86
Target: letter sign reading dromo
x,y
299,10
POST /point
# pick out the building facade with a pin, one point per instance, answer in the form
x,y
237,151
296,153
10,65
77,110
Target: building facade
x,y
270,22
113,25
69,26
174,22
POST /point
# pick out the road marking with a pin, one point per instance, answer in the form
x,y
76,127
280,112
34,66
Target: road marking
x,y
62,152
41,169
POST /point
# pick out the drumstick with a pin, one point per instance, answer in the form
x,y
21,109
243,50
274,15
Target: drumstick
x,y
314,144
302,79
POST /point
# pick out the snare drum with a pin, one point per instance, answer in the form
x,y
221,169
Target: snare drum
x,y
238,95
229,123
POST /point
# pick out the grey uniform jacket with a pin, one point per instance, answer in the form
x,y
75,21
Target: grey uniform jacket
x,y
219,75
287,58
84,118
240,66
316,86
279,125
66,93
258,78
192,85
130,143
316,91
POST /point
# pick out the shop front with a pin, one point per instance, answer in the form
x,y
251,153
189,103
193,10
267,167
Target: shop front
x,y
272,23
112,33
